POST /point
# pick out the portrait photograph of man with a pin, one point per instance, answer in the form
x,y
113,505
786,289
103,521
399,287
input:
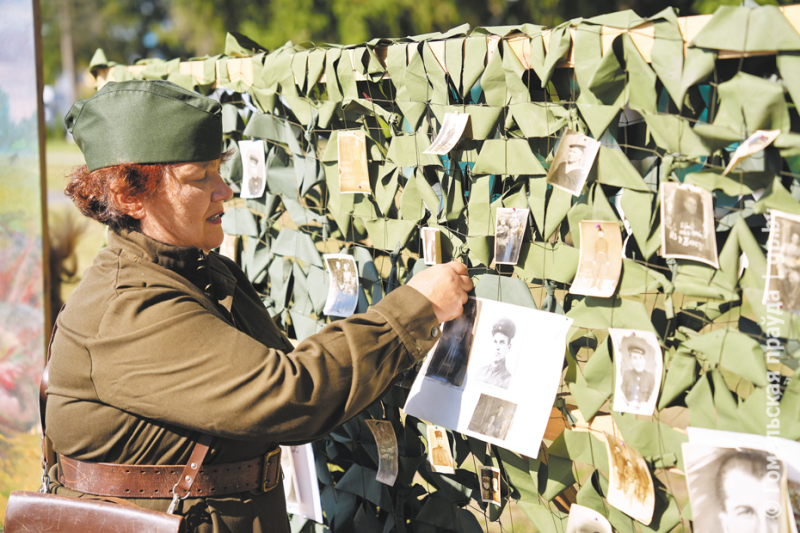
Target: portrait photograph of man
x,y
573,160
490,485
254,169
630,487
584,520
639,364
439,455
492,417
431,246
783,262
736,490
688,230
343,288
600,262
510,224
450,357
496,372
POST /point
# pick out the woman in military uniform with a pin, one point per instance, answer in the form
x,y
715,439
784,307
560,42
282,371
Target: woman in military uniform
x,y
166,341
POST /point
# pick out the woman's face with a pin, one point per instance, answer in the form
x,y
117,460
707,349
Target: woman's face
x,y
187,208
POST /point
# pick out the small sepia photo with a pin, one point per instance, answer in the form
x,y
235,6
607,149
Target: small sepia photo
x,y
687,223
386,441
783,262
254,169
431,246
584,520
573,160
639,364
490,485
449,359
736,490
500,346
600,262
290,486
353,167
343,287
510,227
439,455
492,417
752,145
630,487
449,134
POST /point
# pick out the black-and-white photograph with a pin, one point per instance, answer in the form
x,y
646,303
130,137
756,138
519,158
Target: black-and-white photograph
x,y
498,371
510,227
600,261
573,160
584,520
736,490
439,455
630,487
687,223
431,246
492,417
450,358
783,262
386,441
752,145
639,365
449,134
254,169
343,287
490,485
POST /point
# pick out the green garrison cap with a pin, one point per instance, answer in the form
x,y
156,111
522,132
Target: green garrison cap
x,y
141,121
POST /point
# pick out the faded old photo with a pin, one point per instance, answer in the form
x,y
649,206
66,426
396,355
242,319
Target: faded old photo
x,y
630,487
584,520
448,362
289,481
600,261
510,227
439,455
431,246
492,417
386,441
449,134
353,168
343,287
687,223
498,371
490,485
639,364
752,145
736,490
573,160
783,262
254,169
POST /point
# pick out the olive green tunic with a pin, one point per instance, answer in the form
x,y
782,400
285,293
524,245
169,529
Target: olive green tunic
x,y
144,359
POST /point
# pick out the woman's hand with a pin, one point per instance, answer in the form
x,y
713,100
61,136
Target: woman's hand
x,y
446,286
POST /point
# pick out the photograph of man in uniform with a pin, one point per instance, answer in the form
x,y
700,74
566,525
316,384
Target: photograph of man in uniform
x,y
343,288
783,261
600,261
490,485
451,355
431,246
439,455
584,520
253,169
637,357
573,161
688,230
492,417
736,490
630,487
496,372
509,229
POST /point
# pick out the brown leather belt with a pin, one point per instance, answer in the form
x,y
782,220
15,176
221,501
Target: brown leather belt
x,y
156,481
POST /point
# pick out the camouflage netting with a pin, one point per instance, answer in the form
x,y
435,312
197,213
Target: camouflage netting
x,y
669,98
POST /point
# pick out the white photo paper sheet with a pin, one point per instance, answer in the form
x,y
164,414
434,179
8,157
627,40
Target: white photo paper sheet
x,y
449,134
584,520
783,262
506,403
254,169
343,287
300,483
752,145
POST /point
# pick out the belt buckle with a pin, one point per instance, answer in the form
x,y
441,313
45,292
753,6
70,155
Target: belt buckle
x,y
271,471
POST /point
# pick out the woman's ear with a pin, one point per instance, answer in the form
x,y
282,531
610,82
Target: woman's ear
x,y
133,207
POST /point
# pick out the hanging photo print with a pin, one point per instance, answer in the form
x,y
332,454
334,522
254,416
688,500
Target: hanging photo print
x,y
600,262
449,134
687,223
584,520
386,441
439,455
490,485
630,487
510,227
496,378
431,246
573,161
752,145
783,262
353,168
343,287
639,364
254,169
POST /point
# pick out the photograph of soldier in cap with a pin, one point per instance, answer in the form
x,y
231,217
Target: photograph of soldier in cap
x,y
584,520
600,261
509,230
490,485
688,230
638,361
630,486
783,262
573,161
439,455
492,417
253,169
451,355
496,371
343,287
